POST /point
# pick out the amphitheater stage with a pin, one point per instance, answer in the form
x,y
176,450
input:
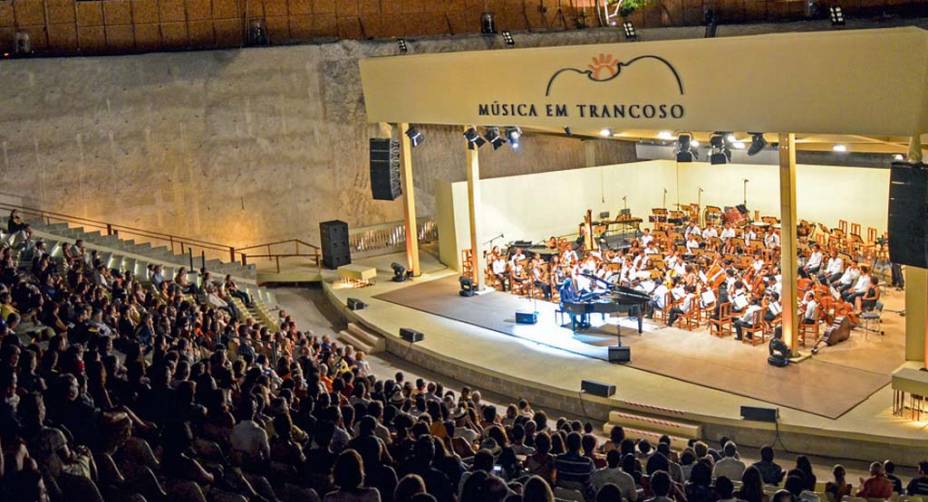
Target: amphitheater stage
x,y
826,388
837,404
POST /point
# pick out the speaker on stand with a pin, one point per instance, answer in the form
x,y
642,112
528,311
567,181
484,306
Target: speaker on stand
x,y
385,169
335,250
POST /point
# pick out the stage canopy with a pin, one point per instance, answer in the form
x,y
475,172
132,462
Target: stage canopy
x,y
866,82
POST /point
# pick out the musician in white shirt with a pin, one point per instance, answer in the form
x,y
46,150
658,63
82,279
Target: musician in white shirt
x,y
692,244
833,269
860,287
658,298
517,256
809,308
727,233
499,267
746,319
772,239
814,263
646,238
848,278
710,232
685,306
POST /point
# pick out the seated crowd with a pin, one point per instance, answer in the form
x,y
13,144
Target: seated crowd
x,y
699,274
123,388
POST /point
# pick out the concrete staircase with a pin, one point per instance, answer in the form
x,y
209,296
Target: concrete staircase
x,y
154,254
361,339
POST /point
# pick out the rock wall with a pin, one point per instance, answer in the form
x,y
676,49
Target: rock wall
x,y
237,146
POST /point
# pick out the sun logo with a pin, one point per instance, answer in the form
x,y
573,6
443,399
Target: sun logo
x,y
603,67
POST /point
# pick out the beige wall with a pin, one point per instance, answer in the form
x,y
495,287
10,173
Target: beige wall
x,y
553,203
238,147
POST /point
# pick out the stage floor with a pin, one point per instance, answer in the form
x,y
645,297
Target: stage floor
x,y
828,385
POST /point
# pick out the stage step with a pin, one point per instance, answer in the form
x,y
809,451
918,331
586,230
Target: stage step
x,y
372,342
657,425
349,339
676,442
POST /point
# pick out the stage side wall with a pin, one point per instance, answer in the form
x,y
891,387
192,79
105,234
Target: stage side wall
x,y
537,206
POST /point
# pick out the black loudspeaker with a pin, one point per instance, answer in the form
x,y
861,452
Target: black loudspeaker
x,y
355,304
908,214
385,169
526,317
597,388
760,414
619,354
334,237
411,335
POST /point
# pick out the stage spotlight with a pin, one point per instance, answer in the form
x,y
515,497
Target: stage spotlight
x,y
467,286
399,272
487,24
507,37
839,148
739,145
493,136
513,133
758,143
415,137
685,150
568,132
665,135
837,15
605,132
720,152
694,143
401,43
473,138
630,32
898,157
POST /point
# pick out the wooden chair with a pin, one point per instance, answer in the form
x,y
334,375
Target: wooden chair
x,y
842,225
756,328
691,318
806,329
467,264
664,314
722,326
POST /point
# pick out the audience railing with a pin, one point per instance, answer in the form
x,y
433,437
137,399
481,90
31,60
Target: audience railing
x,y
389,237
310,251
179,244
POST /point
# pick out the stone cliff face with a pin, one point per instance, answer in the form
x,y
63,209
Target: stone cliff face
x,y
235,146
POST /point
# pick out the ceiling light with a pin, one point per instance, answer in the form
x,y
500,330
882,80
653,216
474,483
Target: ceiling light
x,y
730,138
665,135
629,29
898,157
507,37
739,145
685,150
473,138
758,143
605,132
837,15
694,143
415,136
568,132
513,133
494,137
839,148
720,152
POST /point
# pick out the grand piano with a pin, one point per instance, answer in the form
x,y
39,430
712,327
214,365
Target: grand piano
x,y
615,300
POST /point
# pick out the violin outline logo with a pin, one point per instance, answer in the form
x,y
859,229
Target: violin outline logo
x,y
605,68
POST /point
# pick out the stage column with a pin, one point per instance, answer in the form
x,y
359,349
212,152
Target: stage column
x,y
473,207
409,203
788,239
916,320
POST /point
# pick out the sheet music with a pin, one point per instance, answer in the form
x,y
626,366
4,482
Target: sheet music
x,y
708,297
740,301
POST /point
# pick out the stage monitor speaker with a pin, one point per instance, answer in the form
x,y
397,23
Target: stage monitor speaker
x,y
411,335
908,214
597,388
760,414
523,317
385,169
355,304
334,237
620,354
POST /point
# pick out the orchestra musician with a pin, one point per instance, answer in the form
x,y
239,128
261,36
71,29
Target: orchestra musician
x,y
540,277
834,268
814,263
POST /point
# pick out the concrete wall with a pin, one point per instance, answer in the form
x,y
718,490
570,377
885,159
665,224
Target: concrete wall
x,y
238,147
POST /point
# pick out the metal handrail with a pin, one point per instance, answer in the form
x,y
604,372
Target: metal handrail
x,y
186,244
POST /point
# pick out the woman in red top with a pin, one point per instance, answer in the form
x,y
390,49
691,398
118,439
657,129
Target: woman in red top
x,y
878,486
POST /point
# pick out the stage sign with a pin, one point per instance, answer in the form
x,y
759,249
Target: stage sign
x,y
838,82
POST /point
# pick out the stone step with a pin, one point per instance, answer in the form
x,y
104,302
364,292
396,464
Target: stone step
x,y
348,338
658,425
377,343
